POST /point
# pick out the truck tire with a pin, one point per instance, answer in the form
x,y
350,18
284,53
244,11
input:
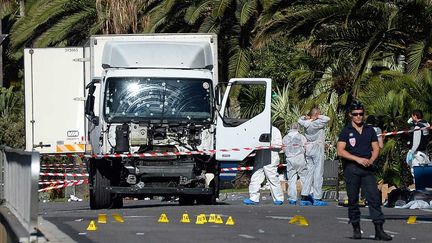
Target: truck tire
x,y
103,175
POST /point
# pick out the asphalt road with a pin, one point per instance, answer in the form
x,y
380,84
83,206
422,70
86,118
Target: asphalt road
x,y
261,223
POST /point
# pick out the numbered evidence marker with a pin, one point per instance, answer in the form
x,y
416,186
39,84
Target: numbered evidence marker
x,y
185,218
92,226
212,218
219,219
199,219
230,221
163,219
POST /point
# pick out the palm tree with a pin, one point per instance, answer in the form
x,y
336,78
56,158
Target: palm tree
x,y
71,22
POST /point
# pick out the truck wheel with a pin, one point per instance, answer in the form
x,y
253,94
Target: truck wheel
x,y
185,200
102,176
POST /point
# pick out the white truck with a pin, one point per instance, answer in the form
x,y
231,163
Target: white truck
x,y
148,98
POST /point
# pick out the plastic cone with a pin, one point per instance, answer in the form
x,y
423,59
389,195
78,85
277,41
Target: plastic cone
x,y
230,221
185,218
118,218
303,221
92,226
102,218
412,220
199,220
294,219
212,218
219,219
204,218
163,219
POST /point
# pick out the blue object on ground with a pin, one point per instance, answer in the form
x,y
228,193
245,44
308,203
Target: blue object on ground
x,y
277,202
292,202
305,203
319,203
248,201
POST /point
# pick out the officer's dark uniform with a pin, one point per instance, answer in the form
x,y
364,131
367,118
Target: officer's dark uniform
x,y
357,176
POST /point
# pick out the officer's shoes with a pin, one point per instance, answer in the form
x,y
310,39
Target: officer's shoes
x,y
305,203
248,201
292,202
277,202
318,202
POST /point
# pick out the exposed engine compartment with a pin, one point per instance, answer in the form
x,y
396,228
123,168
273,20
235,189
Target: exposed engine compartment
x,y
170,170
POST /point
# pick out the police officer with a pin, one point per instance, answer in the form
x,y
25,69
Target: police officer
x,y
358,147
418,154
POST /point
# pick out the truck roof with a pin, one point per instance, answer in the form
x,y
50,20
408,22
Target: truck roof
x,y
179,55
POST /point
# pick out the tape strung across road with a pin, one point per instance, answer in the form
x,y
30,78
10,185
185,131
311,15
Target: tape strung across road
x,y
66,183
63,174
80,182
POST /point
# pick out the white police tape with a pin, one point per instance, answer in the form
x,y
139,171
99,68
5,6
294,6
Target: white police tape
x,y
76,183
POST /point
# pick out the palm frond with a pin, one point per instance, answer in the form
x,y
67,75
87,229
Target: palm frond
x,y
196,10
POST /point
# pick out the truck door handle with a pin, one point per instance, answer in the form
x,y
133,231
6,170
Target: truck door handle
x,y
265,137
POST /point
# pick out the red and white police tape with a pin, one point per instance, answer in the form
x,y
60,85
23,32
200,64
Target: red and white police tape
x,y
62,174
51,182
200,152
76,183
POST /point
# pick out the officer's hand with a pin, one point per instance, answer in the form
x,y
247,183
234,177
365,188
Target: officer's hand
x,y
363,161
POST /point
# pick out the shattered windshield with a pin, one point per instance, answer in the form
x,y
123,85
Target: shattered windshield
x,y
144,99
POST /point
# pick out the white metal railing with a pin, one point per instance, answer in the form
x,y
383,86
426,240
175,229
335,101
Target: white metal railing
x,y
19,185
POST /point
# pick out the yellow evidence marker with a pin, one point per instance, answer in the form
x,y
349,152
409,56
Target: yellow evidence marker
x,y
199,220
185,218
204,218
230,221
219,219
118,218
412,220
92,226
102,218
212,218
163,219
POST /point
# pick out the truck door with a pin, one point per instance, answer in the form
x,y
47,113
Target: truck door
x,y
244,119
54,99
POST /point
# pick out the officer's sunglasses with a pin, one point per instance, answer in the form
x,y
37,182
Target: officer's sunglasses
x,y
357,114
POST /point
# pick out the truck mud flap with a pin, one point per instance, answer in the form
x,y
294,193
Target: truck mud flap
x,y
159,191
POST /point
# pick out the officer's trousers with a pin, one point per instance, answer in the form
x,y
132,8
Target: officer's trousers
x,y
356,177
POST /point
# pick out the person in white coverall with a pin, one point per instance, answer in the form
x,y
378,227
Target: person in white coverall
x,y
314,125
419,141
265,166
294,143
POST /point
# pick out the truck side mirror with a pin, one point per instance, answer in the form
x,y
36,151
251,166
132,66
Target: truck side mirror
x,y
89,105
219,90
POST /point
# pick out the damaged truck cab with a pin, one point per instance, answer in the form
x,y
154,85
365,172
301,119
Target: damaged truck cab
x,y
155,121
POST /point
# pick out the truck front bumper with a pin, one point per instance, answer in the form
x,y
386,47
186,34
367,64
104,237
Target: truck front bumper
x,y
161,191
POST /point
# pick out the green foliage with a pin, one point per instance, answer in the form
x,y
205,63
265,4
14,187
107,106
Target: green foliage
x,y
12,118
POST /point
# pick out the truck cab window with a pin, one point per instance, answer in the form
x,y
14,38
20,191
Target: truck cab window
x,y
245,101
143,99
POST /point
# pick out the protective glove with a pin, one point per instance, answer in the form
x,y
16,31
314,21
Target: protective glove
x,y
410,157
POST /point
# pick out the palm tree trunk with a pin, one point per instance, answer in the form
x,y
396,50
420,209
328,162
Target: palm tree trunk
x,y
1,55
22,9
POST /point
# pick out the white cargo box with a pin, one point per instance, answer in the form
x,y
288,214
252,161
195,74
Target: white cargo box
x,y
54,94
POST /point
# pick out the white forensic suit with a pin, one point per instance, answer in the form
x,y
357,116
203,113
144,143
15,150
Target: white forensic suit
x,y
315,136
265,166
420,139
294,143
